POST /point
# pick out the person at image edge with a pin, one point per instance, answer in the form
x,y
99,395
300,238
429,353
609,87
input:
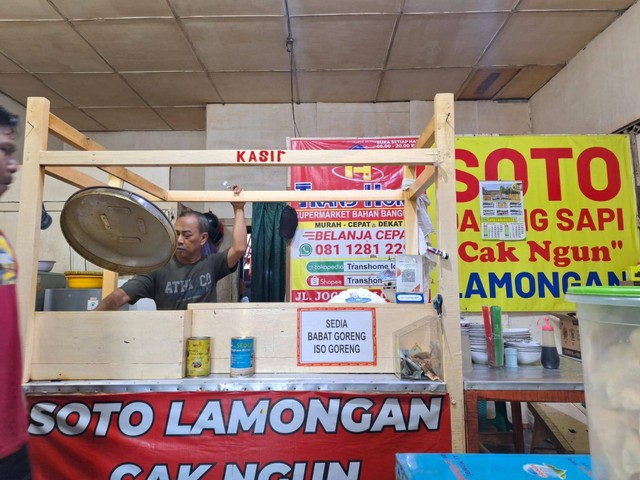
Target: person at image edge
x,y
14,456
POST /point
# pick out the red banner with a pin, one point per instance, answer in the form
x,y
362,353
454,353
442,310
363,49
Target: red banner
x,y
232,435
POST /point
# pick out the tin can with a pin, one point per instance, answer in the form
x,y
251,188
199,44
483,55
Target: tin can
x,y
198,356
242,357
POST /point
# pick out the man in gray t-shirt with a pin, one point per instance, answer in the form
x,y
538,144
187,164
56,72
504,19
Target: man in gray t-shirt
x,y
188,277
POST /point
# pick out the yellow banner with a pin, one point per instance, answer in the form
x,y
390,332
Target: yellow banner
x,y
580,218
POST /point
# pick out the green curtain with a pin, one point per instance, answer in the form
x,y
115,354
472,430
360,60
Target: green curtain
x,y
268,253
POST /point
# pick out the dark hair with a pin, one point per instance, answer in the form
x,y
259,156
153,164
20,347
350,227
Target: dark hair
x,y
215,227
8,119
203,223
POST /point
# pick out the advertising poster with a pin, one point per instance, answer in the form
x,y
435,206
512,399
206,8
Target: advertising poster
x,y
232,435
342,245
577,228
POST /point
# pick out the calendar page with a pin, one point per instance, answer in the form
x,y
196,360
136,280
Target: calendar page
x,y
502,211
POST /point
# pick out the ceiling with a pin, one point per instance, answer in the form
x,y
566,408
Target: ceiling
x,y
109,65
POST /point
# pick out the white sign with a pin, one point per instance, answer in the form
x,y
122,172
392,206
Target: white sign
x,y
345,336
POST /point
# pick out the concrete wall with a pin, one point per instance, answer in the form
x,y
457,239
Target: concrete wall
x,y
597,92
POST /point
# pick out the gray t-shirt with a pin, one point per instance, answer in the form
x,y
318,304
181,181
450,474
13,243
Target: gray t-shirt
x,y
176,285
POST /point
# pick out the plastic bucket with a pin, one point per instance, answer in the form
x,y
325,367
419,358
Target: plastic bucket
x,y
609,322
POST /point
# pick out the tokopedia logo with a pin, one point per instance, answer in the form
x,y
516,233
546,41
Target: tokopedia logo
x,y
319,267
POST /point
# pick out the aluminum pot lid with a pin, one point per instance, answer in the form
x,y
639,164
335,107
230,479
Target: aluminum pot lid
x,y
118,230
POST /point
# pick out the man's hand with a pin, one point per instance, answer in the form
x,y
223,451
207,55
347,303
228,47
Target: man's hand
x,y
113,301
239,233
237,191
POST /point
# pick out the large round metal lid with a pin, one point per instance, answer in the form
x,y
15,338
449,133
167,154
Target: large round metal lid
x,y
118,230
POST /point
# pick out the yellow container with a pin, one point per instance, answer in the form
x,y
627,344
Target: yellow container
x,y
198,356
84,279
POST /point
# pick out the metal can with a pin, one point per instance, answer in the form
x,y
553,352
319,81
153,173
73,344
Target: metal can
x,y
198,356
242,357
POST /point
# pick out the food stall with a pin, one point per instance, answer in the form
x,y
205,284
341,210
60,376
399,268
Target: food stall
x,y
114,382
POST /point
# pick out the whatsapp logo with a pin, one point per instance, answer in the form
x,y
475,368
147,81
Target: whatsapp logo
x,y
305,250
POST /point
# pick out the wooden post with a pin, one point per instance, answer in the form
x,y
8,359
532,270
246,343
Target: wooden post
x,y
29,213
448,282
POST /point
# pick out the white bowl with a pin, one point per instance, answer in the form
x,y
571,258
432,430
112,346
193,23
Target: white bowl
x,y
45,265
480,357
528,357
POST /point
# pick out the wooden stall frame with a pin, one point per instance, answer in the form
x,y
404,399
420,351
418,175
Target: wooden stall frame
x,y
434,150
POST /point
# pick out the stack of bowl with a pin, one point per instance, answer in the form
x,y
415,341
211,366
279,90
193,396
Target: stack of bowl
x,y
516,335
528,351
478,343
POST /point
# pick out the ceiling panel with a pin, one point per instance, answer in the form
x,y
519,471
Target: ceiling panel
x,y
315,7
253,87
443,40
140,45
546,38
240,43
78,119
574,4
27,10
20,86
128,118
173,89
7,66
458,6
528,81
338,86
93,89
94,9
420,84
184,118
485,83
48,47
186,8
342,42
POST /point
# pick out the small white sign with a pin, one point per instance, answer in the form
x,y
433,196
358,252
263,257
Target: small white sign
x,y
92,303
345,336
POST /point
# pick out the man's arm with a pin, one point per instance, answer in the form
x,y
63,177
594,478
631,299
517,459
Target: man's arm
x,y
114,300
239,232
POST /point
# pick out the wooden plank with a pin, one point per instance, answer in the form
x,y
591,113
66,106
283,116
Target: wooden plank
x,y
28,249
427,137
65,132
194,158
109,345
567,433
423,182
155,192
276,333
283,196
73,177
446,228
115,371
